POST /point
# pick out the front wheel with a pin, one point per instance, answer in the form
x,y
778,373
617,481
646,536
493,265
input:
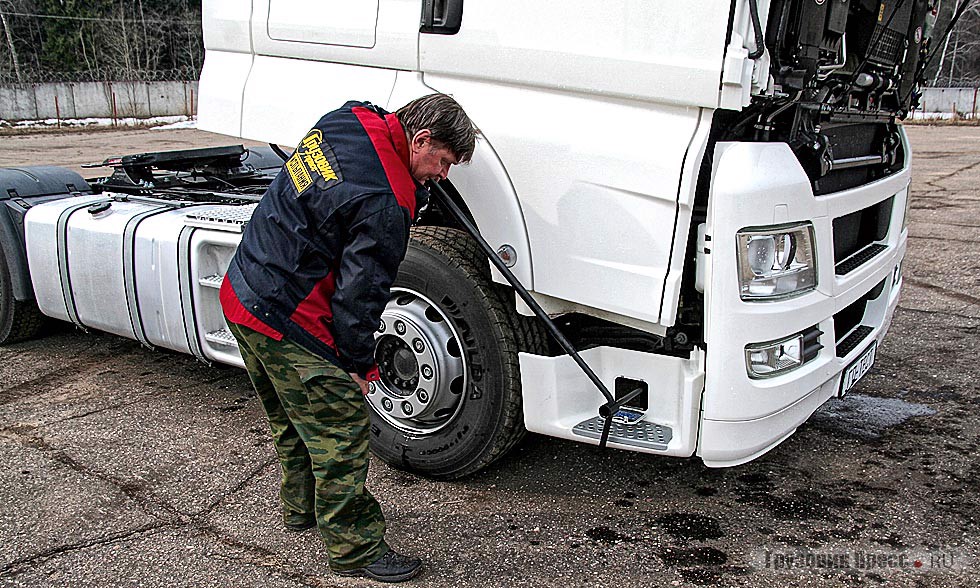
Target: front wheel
x,y
449,400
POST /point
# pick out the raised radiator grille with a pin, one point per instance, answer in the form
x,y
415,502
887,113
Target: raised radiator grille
x,y
887,47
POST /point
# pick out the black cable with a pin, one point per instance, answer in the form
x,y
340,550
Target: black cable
x,y
282,154
760,44
223,181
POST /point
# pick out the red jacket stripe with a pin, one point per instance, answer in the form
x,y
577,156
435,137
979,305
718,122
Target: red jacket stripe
x,y
238,314
384,133
314,312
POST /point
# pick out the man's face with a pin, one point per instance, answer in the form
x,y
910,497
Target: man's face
x,y
429,160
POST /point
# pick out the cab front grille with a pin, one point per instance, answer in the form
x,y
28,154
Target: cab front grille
x,y
858,236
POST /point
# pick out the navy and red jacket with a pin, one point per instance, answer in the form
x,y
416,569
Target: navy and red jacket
x,y
319,255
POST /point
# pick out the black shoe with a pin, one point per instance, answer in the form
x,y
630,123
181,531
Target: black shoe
x,y
390,567
299,523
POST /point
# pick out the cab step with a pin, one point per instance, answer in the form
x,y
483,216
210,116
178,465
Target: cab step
x,y
639,434
221,337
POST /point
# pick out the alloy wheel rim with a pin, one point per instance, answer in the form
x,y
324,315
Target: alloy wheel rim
x,y
423,370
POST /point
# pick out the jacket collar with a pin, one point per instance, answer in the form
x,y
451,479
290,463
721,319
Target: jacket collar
x,y
400,141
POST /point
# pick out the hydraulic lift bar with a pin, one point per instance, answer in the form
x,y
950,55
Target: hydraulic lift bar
x,y
612,405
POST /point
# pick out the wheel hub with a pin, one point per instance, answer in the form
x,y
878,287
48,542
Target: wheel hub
x,y
423,373
398,365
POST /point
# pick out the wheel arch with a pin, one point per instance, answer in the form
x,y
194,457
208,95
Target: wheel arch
x,y
15,255
483,191
482,188
18,186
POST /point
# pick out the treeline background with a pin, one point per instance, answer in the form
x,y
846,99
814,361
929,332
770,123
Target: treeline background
x,y
100,40
116,40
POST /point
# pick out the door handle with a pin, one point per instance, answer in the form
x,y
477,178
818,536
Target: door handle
x,y
441,17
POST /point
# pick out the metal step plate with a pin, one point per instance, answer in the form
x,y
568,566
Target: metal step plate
x,y
641,434
212,281
222,218
222,337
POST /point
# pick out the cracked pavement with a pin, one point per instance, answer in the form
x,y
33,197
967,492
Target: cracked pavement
x,y
125,467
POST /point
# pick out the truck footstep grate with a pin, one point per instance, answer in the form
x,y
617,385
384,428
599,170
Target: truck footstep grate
x,y
222,218
641,434
222,337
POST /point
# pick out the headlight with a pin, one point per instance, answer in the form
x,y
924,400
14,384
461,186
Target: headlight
x,y
776,262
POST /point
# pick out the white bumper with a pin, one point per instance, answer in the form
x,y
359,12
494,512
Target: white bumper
x,y
759,184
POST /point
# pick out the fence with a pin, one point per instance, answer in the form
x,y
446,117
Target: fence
x,y
145,99
956,102
97,100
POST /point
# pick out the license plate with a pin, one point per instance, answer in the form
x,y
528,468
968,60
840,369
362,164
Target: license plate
x,y
858,369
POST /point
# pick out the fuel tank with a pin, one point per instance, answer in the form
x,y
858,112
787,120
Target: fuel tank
x,y
140,268
75,256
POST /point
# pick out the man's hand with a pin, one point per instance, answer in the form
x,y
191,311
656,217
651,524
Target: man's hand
x,y
360,382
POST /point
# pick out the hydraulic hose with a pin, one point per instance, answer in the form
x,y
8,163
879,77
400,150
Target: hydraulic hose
x,y
760,44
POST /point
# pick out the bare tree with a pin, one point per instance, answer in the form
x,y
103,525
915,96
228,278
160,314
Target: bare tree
x,y
10,42
959,57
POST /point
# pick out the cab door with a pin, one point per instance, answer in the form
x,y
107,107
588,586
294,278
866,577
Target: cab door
x,y
349,23
312,56
375,33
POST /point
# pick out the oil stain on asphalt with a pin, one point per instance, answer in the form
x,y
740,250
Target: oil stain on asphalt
x,y
866,417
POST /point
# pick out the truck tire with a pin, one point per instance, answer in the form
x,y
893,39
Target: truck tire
x,y
19,319
449,400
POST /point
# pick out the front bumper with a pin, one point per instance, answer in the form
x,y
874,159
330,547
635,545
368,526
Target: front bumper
x,y
760,184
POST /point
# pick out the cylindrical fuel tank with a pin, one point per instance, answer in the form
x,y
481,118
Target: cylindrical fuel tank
x,y
75,251
47,252
159,284
140,268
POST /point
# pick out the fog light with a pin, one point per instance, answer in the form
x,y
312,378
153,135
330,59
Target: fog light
x,y
765,360
776,262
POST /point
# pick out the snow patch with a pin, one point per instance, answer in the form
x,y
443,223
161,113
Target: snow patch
x,y
186,123
156,122
918,115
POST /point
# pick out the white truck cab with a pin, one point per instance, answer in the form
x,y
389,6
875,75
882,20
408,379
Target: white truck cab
x,y
709,199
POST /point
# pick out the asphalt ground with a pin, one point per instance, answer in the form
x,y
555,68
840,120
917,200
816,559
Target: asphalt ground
x,y
125,467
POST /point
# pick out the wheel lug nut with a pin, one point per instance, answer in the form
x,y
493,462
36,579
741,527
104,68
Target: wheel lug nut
x,y
386,404
407,408
423,396
418,345
371,388
381,327
400,327
426,372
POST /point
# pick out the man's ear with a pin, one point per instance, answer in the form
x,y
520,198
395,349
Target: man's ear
x,y
420,139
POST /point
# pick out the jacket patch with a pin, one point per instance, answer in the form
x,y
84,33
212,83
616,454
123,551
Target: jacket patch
x,y
313,162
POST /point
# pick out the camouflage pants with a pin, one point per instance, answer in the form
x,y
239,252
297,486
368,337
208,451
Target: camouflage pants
x,y
320,428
